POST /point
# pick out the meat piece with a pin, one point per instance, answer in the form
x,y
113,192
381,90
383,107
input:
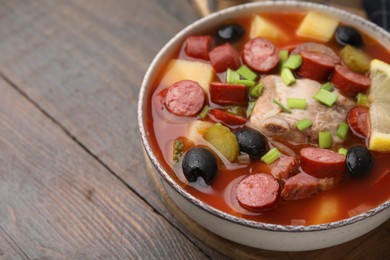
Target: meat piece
x,y
348,82
260,55
227,118
315,66
285,167
258,192
229,94
302,186
322,163
199,46
318,48
270,120
359,121
185,98
223,57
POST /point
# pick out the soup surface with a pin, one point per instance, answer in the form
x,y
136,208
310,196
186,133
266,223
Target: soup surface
x,y
347,196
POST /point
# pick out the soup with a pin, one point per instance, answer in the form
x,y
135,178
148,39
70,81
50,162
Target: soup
x,y
247,69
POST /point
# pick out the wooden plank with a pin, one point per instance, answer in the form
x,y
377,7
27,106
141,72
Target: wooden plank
x,y
58,202
91,63
8,248
85,56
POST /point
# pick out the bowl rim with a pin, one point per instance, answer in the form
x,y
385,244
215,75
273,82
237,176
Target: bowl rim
x,y
204,206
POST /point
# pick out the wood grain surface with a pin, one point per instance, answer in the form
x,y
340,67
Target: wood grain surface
x,y
73,181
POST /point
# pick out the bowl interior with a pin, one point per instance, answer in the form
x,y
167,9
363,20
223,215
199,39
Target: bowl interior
x,y
211,21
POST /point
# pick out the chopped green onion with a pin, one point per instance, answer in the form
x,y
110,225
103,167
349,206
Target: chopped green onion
x,y
287,76
326,97
246,73
325,139
327,86
342,130
232,76
271,156
217,124
285,109
299,103
362,99
203,112
342,151
249,110
283,54
304,124
256,91
178,147
293,62
246,82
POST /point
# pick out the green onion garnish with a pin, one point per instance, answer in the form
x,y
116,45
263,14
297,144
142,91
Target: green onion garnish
x,y
203,112
256,91
271,156
342,151
362,99
304,124
342,130
287,76
249,110
285,109
293,62
232,76
325,139
326,97
299,103
246,73
246,82
283,54
327,86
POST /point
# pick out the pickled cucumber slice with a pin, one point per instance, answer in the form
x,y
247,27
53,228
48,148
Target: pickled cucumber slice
x,y
355,59
223,140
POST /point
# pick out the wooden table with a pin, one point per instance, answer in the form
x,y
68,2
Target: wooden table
x,y
73,181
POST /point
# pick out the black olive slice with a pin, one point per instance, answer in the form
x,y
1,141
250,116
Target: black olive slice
x,y
199,162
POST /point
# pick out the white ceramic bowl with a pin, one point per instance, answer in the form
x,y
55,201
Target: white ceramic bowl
x,y
251,233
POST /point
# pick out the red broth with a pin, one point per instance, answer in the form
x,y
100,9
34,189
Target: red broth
x,y
348,198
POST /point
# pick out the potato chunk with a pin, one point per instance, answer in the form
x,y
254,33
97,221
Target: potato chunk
x,y
326,211
190,70
196,130
261,27
318,26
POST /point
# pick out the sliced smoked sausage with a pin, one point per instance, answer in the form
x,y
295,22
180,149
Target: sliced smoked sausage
x,y
359,121
229,94
315,66
260,55
199,46
322,163
317,48
348,82
258,192
223,57
185,98
227,117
